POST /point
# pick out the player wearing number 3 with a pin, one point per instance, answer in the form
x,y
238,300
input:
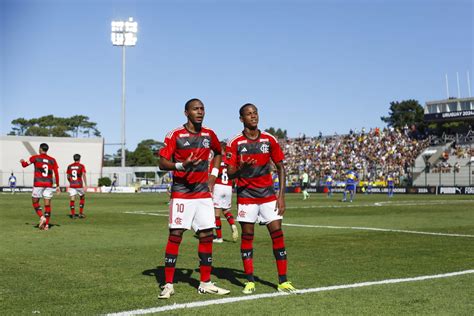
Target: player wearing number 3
x,y
76,175
43,183
186,152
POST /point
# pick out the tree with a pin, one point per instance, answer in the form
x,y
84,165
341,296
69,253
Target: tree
x,y
144,155
279,133
408,112
49,125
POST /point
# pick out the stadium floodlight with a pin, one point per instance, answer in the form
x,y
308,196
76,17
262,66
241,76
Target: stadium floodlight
x,y
124,33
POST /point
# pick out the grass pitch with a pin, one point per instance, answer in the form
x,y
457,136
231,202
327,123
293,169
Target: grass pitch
x,y
112,261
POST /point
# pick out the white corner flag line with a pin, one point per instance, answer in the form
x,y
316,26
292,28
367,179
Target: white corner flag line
x,y
268,295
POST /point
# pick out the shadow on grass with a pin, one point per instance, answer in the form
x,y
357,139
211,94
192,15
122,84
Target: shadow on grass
x,y
234,276
36,226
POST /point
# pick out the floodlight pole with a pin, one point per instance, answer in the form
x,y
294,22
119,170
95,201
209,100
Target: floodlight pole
x,y
123,108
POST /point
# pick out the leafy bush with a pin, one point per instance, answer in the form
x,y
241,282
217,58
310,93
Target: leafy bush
x,y
105,181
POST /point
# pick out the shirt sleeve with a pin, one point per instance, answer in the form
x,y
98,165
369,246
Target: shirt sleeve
x,y
231,154
170,146
215,144
276,152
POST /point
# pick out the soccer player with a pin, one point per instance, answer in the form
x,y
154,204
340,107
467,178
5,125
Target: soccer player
x,y
114,183
351,182
328,181
12,182
45,166
186,153
222,198
391,184
249,156
304,184
76,175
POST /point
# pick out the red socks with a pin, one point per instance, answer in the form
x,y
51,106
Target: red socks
x,y
72,207
171,255
279,252
81,204
47,213
205,257
218,227
38,209
230,218
246,251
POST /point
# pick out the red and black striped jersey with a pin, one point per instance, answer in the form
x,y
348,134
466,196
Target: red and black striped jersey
x,y
222,178
179,144
44,167
74,172
255,184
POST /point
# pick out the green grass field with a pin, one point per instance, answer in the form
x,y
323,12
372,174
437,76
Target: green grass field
x,y
112,261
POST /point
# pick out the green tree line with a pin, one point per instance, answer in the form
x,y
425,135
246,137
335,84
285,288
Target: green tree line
x,y
50,125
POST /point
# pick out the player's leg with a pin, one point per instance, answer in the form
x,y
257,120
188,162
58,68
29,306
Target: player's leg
x,y
352,193
217,212
204,222
171,255
273,220
230,219
72,202
36,195
47,212
246,251
279,251
82,201
344,194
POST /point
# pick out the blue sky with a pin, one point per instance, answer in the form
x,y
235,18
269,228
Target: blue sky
x,y
309,66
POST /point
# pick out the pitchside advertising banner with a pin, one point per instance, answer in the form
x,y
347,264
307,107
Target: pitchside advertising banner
x,y
374,190
469,190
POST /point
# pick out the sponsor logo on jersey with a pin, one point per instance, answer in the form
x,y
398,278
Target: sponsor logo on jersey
x,y
244,150
186,143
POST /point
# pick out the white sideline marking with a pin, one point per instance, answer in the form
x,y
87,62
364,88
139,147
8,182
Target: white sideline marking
x,y
379,204
380,230
276,294
147,213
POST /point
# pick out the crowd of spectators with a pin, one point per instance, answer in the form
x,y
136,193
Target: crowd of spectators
x,y
375,153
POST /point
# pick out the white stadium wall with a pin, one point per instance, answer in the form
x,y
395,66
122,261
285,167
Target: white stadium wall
x,y
14,148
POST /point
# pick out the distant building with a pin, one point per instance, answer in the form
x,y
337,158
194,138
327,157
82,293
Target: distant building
x,y
452,109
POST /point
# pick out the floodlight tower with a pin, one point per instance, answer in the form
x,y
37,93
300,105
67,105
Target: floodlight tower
x,y
124,33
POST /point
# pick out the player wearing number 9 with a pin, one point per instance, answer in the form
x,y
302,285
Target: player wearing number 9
x,y
44,166
76,175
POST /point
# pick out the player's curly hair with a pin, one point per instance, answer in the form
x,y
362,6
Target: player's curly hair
x,y
242,108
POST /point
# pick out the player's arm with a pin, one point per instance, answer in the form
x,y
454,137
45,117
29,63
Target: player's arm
x,y
216,148
56,177
281,194
25,163
84,179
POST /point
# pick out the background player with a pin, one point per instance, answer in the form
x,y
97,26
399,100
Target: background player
x,y
45,166
76,175
390,184
249,156
12,183
304,184
187,152
351,182
222,198
328,182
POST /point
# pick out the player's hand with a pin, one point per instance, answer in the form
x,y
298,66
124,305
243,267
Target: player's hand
x,y
244,164
211,182
22,160
280,205
58,190
191,160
